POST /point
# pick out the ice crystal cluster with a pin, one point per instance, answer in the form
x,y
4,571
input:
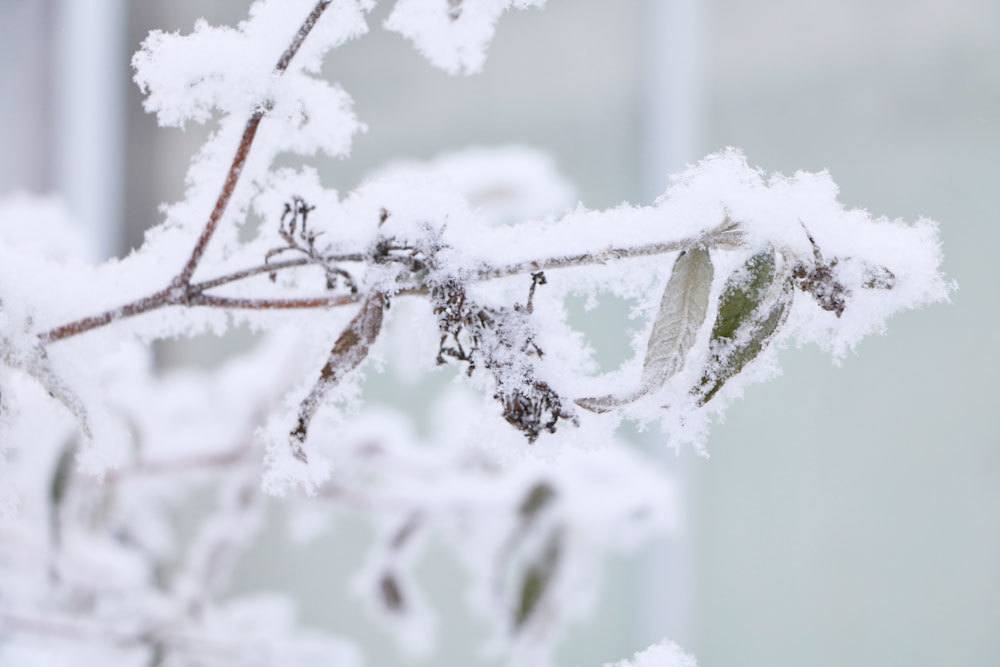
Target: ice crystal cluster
x,y
463,266
664,654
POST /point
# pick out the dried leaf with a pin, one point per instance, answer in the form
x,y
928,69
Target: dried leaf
x,y
820,279
391,585
529,404
350,349
391,593
532,408
821,283
682,313
879,277
753,305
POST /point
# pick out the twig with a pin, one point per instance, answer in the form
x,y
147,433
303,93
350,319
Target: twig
x,y
275,267
183,280
243,274
73,629
727,233
181,465
238,303
194,295
180,287
164,297
582,259
64,628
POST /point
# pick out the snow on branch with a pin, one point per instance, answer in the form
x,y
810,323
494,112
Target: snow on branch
x,y
245,69
452,34
462,266
664,654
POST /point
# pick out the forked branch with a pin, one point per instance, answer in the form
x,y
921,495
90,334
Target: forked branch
x,y
195,294
183,279
182,292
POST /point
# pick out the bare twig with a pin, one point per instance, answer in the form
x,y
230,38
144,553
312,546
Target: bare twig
x,y
67,628
195,295
61,627
286,57
183,279
274,267
180,288
725,234
189,464
237,303
137,307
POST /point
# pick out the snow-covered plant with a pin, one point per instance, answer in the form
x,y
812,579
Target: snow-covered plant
x,y
467,263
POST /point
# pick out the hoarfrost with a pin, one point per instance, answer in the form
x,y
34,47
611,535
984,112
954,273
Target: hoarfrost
x,y
452,34
466,261
664,654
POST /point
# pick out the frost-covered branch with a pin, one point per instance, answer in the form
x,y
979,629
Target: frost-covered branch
x,y
195,295
467,261
183,279
179,290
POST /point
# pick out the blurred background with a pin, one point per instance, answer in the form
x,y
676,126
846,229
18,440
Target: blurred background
x,y
847,515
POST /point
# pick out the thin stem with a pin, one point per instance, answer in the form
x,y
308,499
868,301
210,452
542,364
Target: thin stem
x,y
194,295
228,187
164,297
273,267
583,259
180,288
68,629
286,58
243,151
181,465
727,234
74,629
237,303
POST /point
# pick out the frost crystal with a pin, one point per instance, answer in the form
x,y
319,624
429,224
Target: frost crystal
x,y
664,654
452,34
233,70
467,262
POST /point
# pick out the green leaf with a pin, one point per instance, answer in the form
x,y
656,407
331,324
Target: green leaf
x,y
537,579
753,305
62,475
538,498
